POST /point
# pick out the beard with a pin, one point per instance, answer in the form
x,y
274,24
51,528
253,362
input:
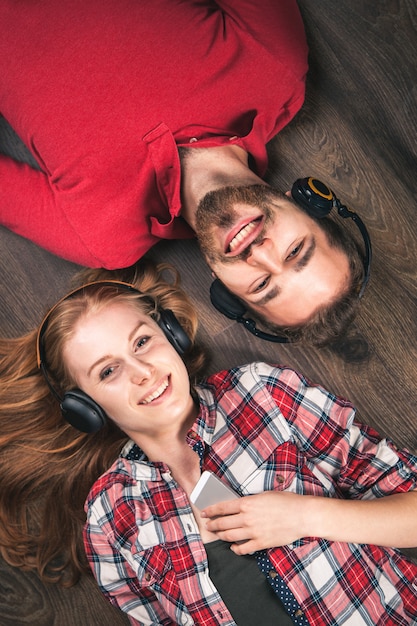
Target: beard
x,y
208,218
218,210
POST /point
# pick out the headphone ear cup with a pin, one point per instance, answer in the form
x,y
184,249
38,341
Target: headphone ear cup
x,y
225,301
229,305
79,410
173,331
313,196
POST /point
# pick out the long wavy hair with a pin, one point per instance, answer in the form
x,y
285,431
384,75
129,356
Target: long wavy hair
x,y
46,466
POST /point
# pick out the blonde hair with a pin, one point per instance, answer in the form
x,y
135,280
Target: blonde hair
x,y
46,466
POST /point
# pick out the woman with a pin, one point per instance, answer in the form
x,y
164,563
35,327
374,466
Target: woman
x,y
44,461
316,487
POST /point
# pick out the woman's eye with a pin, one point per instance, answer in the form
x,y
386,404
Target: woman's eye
x,y
142,341
106,372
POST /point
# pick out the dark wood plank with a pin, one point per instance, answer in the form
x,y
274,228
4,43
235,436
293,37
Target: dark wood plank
x,y
25,600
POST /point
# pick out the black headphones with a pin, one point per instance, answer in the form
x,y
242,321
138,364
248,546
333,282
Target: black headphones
x,y
317,199
77,408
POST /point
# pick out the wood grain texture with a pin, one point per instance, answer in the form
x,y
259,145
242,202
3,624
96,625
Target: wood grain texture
x,y
357,132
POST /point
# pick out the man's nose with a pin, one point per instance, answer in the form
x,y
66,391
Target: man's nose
x,y
263,254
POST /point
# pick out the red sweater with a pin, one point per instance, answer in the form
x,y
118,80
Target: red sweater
x,y
103,91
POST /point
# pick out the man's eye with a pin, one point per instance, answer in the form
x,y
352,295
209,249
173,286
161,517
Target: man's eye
x,y
262,285
295,251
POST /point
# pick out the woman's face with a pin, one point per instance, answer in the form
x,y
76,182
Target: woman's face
x,y
122,359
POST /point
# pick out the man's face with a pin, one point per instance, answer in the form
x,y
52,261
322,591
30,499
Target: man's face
x,y
274,257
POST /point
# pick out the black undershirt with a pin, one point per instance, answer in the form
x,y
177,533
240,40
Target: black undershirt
x,y
243,588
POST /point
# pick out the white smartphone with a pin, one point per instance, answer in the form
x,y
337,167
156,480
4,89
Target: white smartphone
x,y
210,490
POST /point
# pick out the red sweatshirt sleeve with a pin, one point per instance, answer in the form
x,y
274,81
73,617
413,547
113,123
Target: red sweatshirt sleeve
x,y
29,208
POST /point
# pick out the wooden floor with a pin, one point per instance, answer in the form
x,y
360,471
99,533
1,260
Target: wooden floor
x,y
357,132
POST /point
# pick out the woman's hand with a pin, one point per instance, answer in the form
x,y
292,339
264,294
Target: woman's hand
x,y
277,518
257,522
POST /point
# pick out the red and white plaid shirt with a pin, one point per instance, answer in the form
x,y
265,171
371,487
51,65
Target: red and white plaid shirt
x,y
259,428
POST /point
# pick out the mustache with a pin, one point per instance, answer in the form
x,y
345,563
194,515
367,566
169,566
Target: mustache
x,y
224,219
242,256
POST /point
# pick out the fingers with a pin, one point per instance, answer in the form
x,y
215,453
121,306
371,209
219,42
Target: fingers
x,y
258,521
225,524
226,521
221,509
229,524
231,532
244,547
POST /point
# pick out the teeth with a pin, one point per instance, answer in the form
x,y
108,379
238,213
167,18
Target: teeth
x,y
242,234
158,392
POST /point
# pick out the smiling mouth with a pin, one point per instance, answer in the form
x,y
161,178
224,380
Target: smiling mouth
x,y
157,393
244,237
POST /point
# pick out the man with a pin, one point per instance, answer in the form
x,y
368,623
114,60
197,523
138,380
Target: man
x,y
106,93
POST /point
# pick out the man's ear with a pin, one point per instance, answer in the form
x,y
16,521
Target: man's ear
x,y
288,193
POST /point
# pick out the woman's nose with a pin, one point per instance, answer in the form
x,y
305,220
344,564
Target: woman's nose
x,y
140,372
